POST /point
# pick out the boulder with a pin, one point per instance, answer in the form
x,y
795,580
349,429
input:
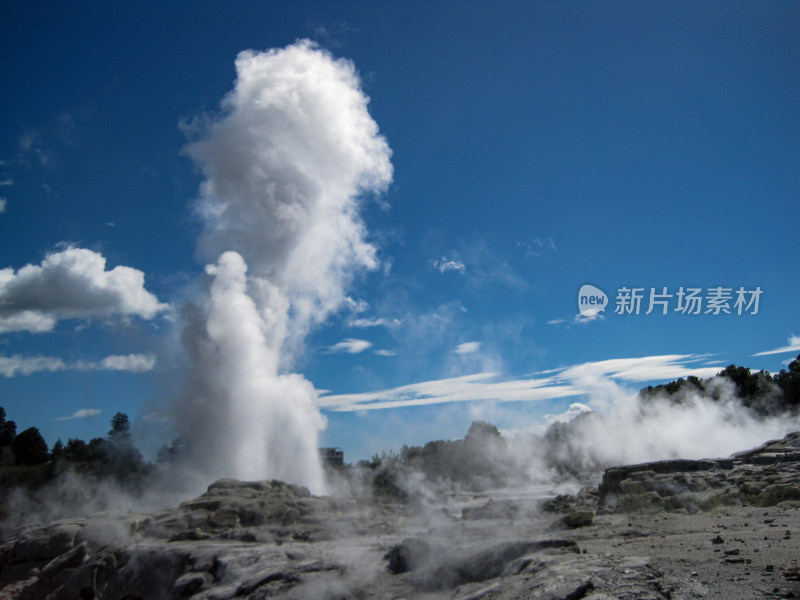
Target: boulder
x,y
437,566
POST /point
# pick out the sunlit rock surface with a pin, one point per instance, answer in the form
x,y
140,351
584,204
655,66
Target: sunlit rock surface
x,y
766,476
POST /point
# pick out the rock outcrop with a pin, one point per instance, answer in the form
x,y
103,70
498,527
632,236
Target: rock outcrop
x,y
201,546
436,566
766,476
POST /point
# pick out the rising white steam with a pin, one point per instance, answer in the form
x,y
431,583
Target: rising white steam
x,y
622,428
284,167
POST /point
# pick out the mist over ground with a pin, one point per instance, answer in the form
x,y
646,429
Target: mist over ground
x,y
686,419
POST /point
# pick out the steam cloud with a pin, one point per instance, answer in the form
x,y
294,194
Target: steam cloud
x,y
624,430
284,167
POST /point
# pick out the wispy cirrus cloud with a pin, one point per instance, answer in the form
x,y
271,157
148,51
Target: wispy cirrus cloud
x,y
467,348
537,246
384,352
350,346
132,363
635,370
563,382
11,366
577,319
580,319
792,346
16,365
84,413
478,386
355,306
489,267
3,200
377,322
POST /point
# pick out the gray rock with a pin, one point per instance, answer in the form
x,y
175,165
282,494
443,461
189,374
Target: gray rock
x,y
45,543
705,485
69,560
578,519
254,540
439,568
190,583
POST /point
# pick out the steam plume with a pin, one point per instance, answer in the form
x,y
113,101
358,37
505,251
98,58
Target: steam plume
x,y
284,167
620,428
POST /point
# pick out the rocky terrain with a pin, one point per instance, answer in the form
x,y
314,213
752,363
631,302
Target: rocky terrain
x,y
717,528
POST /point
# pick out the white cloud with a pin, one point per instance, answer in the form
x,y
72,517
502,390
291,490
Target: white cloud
x,y
71,284
133,363
556,383
467,348
445,265
793,346
356,306
478,386
379,322
6,182
83,413
12,366
26,320
350,346
385,352
647,368
3,202
580,319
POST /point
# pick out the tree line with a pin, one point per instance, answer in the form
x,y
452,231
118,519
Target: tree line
x,y
26,461
759,391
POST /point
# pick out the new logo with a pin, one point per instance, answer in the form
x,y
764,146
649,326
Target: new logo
x,y
591,300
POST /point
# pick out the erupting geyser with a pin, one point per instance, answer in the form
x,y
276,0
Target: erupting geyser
x,y
284,165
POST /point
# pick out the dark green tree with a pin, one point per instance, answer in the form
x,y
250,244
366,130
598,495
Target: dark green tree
x,y
120,426
76,450
8,429
118,454
30,448
789,382
58,450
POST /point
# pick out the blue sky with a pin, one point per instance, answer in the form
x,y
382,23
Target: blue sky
x,y
535,147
